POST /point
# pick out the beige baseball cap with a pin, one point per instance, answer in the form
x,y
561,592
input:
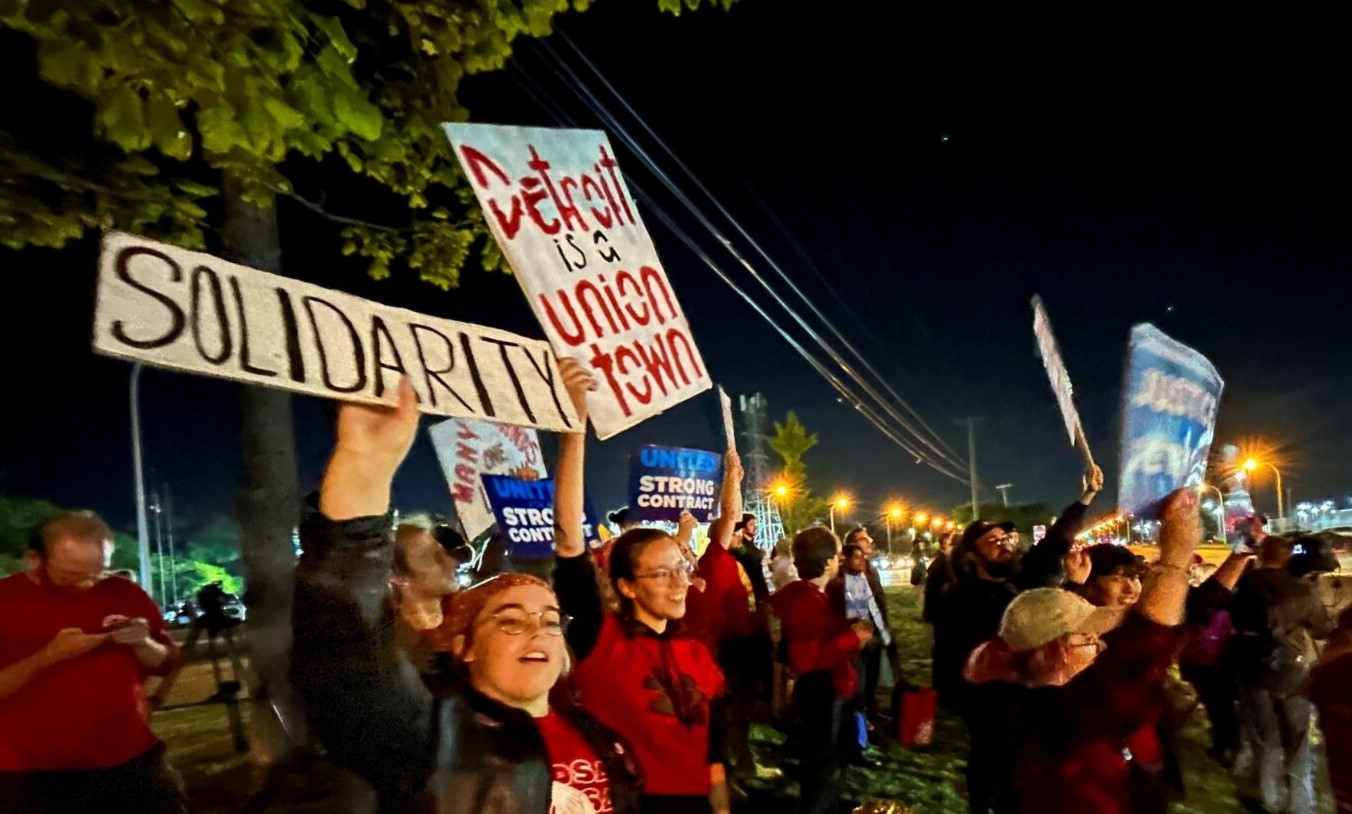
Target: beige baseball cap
x,y
1044,615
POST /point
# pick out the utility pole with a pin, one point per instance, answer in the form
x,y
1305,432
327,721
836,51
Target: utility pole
x,y
142,535
971,422
1004,493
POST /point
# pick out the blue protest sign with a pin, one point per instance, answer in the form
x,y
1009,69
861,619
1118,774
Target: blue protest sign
x,y
664,481
525,513
1169,402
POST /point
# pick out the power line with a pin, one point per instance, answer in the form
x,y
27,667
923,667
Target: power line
x,y
651,204
943,460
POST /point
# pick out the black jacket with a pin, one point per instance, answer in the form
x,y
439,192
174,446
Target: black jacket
x,y
968,612
444,751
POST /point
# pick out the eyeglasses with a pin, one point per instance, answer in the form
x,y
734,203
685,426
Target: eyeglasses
x,y
517,622
682,573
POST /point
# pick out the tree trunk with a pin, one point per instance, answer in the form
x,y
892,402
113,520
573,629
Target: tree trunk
x,y
269,508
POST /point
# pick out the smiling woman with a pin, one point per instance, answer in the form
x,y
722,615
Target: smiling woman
x,y
493,743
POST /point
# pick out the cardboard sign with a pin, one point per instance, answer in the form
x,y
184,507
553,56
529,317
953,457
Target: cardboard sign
x,y
1170,399
525,513
725,406
664,481
1039,532
189,311
559,209
467,449
1059,377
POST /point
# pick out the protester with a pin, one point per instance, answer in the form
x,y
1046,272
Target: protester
x,y
821,648
1329,685
883,642
782,570
76,648
1277,617
1087,738
508,738
1205,659
737,619
637,672
988,572
856,600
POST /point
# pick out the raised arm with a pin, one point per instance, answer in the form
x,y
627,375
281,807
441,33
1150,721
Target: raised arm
x,y
357,689
1050,562
1165,592
729,500
574,572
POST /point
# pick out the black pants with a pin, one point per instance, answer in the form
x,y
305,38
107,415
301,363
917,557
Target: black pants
x,y
1219,693
827,729
142,785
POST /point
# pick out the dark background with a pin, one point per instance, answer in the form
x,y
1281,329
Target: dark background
x,y
920,176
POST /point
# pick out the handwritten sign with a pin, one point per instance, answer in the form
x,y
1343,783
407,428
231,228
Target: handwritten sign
x,y
190,311
1170,399
1060,378
525,514
559,209
664,481
467,449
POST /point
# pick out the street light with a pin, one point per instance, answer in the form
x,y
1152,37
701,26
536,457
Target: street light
x,y
894,513
841,503
1252,464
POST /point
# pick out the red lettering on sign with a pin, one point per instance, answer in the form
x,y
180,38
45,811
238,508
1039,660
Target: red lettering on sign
x,y
636,369
523,195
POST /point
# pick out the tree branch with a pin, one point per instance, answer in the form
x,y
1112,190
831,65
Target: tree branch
x,y
343,219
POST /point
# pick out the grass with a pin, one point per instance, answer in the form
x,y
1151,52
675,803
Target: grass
x,y
924,780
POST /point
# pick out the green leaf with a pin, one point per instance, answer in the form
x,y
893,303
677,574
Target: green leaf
x,y
358,115
166,128
285,115
333,29
201,11
220,129
122,119
68,63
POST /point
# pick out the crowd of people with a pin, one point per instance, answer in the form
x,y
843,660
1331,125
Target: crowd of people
x,y
626,677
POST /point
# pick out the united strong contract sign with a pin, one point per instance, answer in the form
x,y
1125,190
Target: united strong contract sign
x,y
559,209
185,310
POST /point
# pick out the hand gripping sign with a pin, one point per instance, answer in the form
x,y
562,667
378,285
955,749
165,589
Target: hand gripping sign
x,y
560,211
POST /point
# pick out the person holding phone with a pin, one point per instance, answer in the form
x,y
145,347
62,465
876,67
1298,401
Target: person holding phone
x,y
76,648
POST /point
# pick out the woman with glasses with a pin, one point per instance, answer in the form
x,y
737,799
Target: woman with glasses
x,y
637,672
502,738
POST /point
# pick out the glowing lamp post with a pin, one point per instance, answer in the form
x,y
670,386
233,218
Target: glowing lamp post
x,y
1252,464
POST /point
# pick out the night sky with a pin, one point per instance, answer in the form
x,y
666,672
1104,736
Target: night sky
x,y
920,178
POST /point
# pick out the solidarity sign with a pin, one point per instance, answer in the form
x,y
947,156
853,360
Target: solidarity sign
x,y
190,311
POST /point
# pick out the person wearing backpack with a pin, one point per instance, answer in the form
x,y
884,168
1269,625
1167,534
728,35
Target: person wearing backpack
x,y
1277,618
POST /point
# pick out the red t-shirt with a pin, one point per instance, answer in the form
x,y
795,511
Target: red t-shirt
x,y
86,713
580,782
627,683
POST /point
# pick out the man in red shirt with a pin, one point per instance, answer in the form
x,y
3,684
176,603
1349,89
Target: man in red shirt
x,y
75,650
